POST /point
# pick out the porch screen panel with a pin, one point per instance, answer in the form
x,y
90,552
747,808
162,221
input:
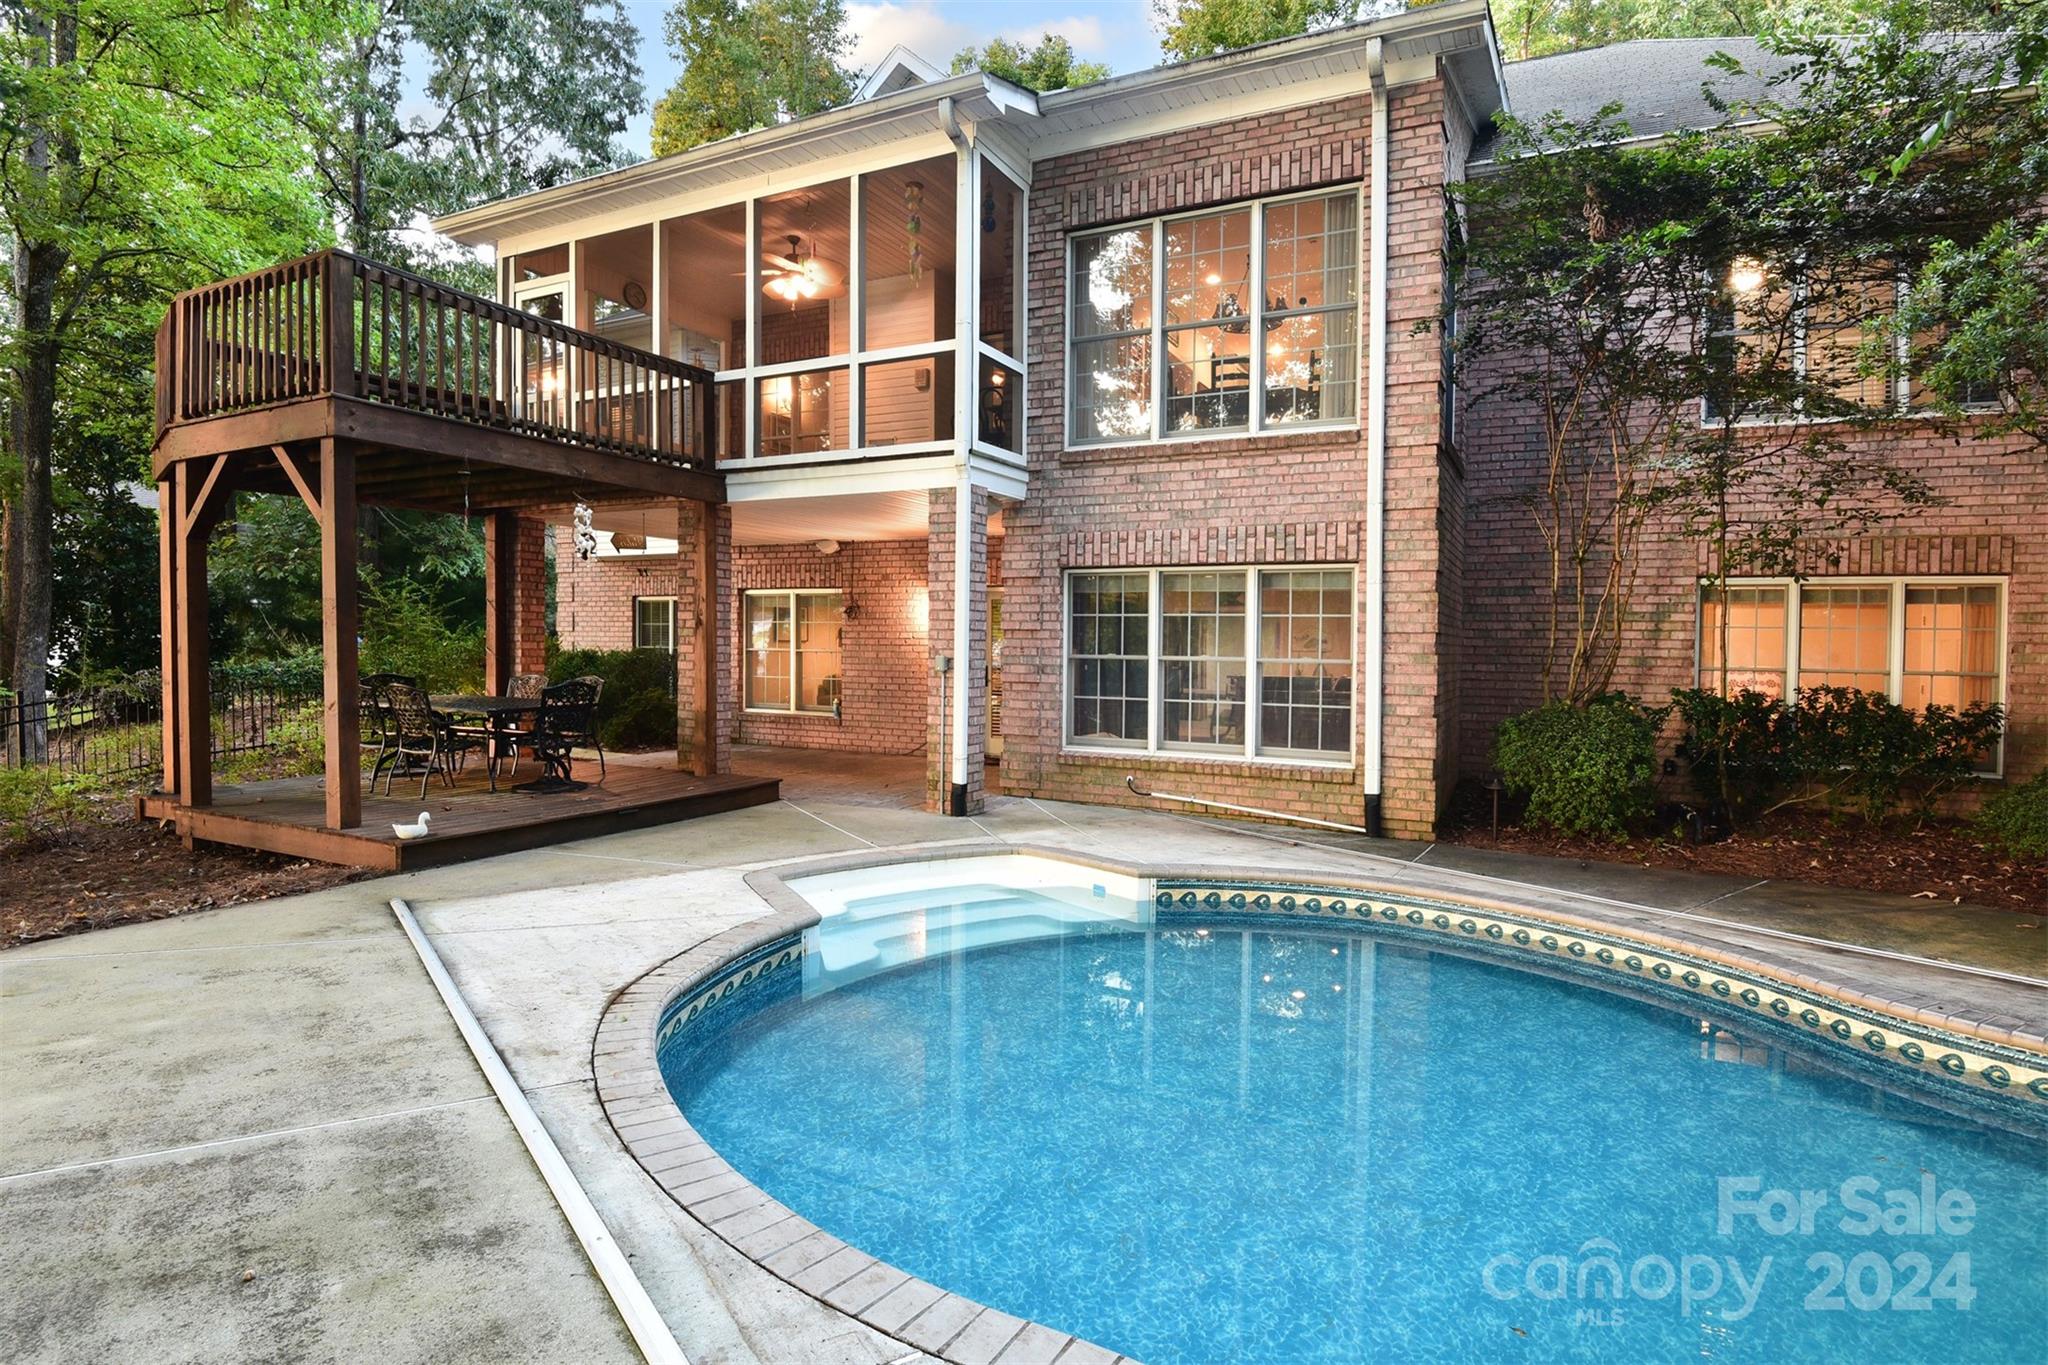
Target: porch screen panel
x,y
1109,620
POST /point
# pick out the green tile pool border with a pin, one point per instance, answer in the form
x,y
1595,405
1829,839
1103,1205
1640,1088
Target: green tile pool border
x,y
1724,981
1859,1019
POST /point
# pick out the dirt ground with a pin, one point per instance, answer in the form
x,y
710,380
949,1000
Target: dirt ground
x,y
1938,860
113,869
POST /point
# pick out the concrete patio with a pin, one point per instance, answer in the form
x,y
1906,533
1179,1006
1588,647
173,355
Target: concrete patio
x,y
277,1088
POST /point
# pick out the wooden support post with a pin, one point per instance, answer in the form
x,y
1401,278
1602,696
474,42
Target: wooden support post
x,y
501,589
169,534
193,703
343,723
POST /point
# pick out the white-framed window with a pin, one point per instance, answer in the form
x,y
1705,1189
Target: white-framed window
x,y
654,623
1233,320
793,656
1237,662
1769,317
1919,641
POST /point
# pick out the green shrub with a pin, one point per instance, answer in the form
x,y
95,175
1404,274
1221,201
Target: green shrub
x,y
644,720
38,796
1838,746
638,708
624,670
2016,819
1738,751
1586,769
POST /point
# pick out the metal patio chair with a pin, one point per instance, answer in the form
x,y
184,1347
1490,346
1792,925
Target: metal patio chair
x,y
422,737
567,718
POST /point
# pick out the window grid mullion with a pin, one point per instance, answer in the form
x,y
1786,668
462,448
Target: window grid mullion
x,y
793,684
1252,661
1896,644
1158,357
1255,400
1795,609
1154,673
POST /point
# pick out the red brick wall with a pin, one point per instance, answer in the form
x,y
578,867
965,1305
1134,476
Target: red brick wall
x,y
883,646
1990,522
884,657
1296,498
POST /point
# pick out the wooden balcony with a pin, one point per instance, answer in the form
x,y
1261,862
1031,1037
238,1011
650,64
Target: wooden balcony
x,y
455,402
345,383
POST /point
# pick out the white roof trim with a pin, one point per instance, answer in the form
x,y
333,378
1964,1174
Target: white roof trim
x,y
899,70
1457,32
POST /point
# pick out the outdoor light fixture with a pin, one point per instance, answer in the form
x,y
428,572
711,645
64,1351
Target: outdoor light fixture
x,y
1746,276
827,547
801,276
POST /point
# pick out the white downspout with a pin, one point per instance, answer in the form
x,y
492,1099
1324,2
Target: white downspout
x,y
966,268
1376,442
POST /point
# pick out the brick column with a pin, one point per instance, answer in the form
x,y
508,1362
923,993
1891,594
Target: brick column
x,y
939,640
529,596
703,549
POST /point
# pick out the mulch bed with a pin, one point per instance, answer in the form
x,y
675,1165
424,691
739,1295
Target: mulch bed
x,y
1939,860
114,869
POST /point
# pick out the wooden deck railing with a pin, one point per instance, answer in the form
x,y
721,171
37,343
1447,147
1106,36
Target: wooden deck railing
x,y
336,324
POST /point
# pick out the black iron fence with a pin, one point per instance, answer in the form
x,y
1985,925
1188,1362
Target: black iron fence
x,y
114,732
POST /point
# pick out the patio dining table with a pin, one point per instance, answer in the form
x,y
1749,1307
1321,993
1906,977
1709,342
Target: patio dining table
x,y
497,714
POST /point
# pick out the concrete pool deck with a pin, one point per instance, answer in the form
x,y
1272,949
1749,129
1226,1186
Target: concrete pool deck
x,y
276,1088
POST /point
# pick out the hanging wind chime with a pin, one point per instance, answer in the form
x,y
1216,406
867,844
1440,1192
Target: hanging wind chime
x,y
913,206
586,533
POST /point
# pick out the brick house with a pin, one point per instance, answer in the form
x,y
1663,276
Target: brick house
x,y
1134,372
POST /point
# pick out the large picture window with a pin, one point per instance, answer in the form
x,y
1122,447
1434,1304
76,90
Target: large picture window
x,y
1176,324
1229,662
793,650
1919,642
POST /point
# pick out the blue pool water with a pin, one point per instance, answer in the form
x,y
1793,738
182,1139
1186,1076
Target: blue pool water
x,y
1212,1140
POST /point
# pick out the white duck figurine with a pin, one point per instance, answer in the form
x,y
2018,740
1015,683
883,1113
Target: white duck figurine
x,y
413,831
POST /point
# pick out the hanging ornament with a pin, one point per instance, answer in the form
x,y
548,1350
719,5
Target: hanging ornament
x,y
913,203
988,208
586,533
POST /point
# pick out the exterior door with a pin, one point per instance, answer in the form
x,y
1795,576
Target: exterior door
x,y
540,383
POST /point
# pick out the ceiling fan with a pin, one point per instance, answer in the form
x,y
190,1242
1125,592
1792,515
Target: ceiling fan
x,y
801,275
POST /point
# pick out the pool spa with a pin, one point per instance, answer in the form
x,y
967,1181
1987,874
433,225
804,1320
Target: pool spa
x,y
1185,1120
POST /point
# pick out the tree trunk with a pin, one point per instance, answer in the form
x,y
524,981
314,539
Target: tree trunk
x,y
37,268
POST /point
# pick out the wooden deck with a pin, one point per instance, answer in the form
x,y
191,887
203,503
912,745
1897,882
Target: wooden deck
x,y
469,821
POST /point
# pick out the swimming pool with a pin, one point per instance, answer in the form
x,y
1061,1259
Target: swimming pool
x,y
1191,1134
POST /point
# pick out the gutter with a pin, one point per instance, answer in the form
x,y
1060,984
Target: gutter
x,y
1376,444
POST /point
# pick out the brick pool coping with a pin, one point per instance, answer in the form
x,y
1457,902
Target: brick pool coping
x,y
1975,1046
